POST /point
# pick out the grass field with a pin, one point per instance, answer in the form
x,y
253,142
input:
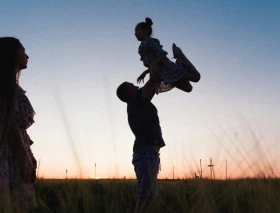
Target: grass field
x,y
192,196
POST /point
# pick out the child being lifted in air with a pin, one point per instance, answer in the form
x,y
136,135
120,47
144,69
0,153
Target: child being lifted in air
x,y
178,74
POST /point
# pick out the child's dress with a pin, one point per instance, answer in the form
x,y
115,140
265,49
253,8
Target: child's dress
x,y
170,72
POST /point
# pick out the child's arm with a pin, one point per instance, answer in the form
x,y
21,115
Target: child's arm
x,y
147,71
160,58
142,76
154,65
157,48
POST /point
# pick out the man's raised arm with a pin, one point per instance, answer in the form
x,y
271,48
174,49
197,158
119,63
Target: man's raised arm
x,y
149,89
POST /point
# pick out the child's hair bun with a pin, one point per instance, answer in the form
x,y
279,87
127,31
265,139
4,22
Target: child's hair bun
x,y
149,21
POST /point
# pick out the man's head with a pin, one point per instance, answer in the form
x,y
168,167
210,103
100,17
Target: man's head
x,y
126,90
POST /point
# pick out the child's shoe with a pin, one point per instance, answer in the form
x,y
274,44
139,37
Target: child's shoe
x,y
177,52
180,56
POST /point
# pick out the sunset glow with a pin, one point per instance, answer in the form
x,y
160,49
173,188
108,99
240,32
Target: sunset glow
x,y
81,51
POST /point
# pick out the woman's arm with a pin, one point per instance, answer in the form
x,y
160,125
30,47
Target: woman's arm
x,y
27,168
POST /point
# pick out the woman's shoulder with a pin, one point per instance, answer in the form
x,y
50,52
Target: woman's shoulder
x,y
20,90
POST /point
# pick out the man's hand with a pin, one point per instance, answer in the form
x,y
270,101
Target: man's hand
x,y
150,86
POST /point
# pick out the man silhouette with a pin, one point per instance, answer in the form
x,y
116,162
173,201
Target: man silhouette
x,y
144,123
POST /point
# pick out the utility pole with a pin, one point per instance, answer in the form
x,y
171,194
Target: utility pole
x,y
95,170
200,169
211,166
226,169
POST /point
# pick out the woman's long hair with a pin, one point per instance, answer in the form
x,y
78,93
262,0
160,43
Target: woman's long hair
x,y
9,47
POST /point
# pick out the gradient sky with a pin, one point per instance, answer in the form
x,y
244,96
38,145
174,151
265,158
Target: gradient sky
x,y
80,51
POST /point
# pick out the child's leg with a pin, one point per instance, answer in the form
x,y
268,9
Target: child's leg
x,y
183,84
192,73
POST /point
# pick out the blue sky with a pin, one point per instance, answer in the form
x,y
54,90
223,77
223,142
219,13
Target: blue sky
x,y
80,51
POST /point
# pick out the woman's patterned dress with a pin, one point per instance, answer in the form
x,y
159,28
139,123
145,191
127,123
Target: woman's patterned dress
x,y
21,194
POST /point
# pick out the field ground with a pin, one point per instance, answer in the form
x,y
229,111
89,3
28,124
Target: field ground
x,y
191,195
